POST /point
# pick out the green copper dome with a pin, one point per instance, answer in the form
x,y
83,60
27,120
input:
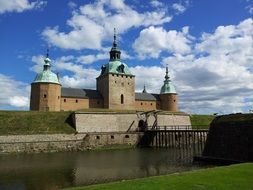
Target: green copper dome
x,y
46,76
168,87
115,67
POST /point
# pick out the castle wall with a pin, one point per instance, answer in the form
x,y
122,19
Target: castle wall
x,y
169,102
121,92
74,104
103,88
146,105
122,122
45,97
96,103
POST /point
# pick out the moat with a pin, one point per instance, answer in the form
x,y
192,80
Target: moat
x,y
59,170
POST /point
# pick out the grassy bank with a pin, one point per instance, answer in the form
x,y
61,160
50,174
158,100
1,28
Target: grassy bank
x,y
232,177
33,122
201,121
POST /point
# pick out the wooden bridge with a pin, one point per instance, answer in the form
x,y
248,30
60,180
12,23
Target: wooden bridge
x,y
186,139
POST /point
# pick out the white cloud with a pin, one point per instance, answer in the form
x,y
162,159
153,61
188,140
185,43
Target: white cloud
x,y
217,75
13,93
88,59
250,9
156,3
92,24
152,77
153,40
178,7
39,62
19,5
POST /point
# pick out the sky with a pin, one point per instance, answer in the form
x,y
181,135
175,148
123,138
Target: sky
x,y
206,44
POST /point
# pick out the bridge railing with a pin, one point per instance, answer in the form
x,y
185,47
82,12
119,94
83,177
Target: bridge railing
x,y
179,127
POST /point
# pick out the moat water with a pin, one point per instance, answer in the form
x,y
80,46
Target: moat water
x,y
59,170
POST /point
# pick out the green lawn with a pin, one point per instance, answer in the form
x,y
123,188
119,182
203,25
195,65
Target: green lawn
x,y
234,177
201,121
34,122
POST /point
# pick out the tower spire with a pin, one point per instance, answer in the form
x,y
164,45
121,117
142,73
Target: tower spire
x,y
115,38
115,52
47,55
167,74
47,61
144,89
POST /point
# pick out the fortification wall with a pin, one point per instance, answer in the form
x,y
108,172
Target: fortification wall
x,y
230,138
122,122
65,142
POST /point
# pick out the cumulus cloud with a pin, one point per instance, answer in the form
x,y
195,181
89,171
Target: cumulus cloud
x,y
153,40
92,24
19,5
152,77
13,93
216,76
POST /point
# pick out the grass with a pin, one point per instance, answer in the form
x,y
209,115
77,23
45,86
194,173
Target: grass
x,y
201,121
234,177
33,122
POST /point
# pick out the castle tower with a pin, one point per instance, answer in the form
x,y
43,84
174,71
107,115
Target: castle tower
x,y
168,95
46,90
116,83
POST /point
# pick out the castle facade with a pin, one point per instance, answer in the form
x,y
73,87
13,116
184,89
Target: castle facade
x,y
115,89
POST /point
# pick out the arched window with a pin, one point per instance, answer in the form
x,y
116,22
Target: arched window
x,y
122,99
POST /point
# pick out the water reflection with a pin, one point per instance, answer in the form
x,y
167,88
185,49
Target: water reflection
x,y
57,170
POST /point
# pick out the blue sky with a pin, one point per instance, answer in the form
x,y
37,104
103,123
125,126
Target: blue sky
x,y
207,44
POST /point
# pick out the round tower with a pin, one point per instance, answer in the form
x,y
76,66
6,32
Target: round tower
x,y
46,90
168,95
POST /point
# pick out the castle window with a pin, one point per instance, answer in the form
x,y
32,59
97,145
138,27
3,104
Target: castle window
x,y
174,100
113,75
151,104
117,75
141,103
97,137
126,136
45,96
112,137
126,76
58,97
122,99
128,83
122,76
115,81
130,77
76,101
64,100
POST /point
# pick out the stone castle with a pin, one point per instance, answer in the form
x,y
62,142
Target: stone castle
x,y
115,89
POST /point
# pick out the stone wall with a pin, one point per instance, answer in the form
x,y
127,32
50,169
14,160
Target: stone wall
x,y
64,142
121,122
105,122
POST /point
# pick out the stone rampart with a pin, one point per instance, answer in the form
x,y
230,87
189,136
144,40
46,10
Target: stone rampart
x,y
124,122
64,142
